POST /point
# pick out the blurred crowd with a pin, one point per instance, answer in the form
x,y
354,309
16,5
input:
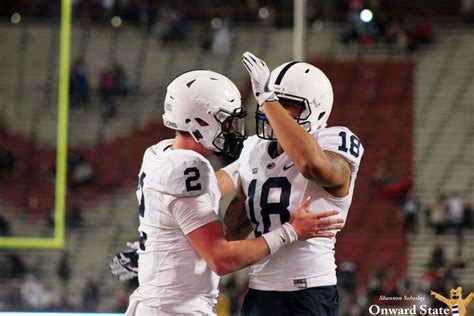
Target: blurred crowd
x,y
23,291
390,24
448,215
391,18
114,83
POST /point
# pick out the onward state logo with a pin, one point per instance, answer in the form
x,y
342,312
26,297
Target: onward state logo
x,y
414,310
457,305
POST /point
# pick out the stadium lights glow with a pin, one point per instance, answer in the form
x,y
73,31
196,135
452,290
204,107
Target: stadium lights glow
x,y
16,18
317,25
263,13
366,15
216,23
116,21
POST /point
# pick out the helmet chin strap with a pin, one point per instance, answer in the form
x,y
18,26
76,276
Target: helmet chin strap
x,y
192,129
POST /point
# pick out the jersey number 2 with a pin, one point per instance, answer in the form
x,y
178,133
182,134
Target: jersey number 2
x,y
190,181
267,207
141,209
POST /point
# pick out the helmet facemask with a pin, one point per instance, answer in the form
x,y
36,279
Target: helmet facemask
x,y
264,129
229,142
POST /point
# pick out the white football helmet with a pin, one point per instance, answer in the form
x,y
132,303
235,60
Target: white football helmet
x,y
303,83
207,105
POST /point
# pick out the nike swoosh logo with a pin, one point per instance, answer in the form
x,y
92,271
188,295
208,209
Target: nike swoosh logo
x,y
288,167
282,239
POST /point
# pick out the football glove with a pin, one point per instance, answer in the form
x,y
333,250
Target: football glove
x,y
260,77
124,265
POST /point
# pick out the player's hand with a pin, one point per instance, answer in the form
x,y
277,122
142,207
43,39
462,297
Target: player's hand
x,y
260,77
124,265
309,224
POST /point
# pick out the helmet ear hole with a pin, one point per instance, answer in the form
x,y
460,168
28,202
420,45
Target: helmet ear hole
x,y
321,115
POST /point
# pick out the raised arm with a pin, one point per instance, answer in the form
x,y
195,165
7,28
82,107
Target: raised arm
x,y
440,297
469,298
327,168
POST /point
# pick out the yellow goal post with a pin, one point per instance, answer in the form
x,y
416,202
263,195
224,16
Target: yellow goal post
x,y
57,241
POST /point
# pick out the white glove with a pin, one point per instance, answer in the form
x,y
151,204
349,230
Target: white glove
x,y
124,265
260,77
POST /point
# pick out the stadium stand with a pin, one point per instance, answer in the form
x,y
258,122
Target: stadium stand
x,y
413,114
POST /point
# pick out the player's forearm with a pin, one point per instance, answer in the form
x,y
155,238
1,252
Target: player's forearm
x,y
235,255
224,256
299,145
236,223
237,229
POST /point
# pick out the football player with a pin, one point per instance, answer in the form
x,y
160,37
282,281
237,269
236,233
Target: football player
x,y
182,248
293,156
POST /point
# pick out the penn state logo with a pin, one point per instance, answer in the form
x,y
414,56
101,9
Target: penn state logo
x,y
271,165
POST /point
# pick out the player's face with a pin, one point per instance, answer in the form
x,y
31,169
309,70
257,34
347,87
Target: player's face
x,y
294,108
232,125
231,137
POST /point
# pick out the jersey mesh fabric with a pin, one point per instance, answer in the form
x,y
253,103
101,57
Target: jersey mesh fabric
x,y
172,276
274,189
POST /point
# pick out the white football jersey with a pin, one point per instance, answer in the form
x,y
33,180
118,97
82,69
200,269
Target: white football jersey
x,y
274,189
177,193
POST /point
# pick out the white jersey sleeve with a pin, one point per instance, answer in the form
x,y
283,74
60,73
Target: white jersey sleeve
x,y
183,177
193,212
343,142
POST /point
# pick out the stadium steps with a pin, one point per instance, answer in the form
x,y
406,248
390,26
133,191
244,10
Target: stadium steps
x,y
102,241
444,115
422,247
89,248
101,47
358,242
443,140
364,236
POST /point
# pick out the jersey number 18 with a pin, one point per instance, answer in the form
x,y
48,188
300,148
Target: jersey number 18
x,y
266,208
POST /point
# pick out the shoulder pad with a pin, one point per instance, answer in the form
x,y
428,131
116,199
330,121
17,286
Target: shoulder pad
x,y
251,142
182,174
343,142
